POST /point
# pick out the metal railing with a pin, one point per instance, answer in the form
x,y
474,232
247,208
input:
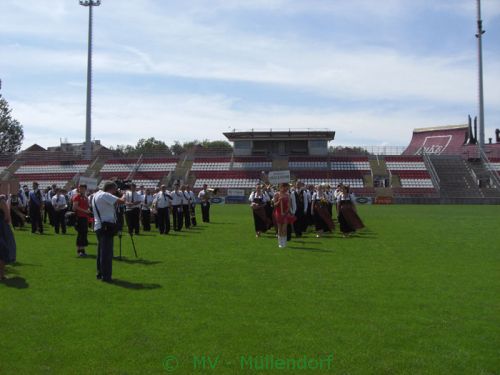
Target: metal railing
x,y
135,168
432,171
493,173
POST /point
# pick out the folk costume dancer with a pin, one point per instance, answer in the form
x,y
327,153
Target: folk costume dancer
x,y
348,218
282,213
258,201
319,211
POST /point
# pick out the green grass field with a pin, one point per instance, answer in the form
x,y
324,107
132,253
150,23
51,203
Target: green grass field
x,y
416,293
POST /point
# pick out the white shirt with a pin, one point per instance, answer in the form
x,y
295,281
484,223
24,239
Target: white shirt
x,y
72,193
105,203
147,200
186,197
193,197
176,198
317,197
162,200
202,195
134,198
59,202
23,201
304,198
254,195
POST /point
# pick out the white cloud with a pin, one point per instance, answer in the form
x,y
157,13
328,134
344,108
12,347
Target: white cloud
x,y
191,40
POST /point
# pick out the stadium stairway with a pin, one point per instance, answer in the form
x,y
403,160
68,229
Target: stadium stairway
x,y
378,166
456,180
95,167
482,173
8,172
181,172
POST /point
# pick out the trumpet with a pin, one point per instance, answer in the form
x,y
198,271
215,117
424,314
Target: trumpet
x,y
214,191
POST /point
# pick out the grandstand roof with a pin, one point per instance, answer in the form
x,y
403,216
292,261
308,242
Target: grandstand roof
x,y
440,128
281,135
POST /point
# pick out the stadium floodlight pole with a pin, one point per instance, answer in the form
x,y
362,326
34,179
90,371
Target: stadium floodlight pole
x,y
88,123
479,35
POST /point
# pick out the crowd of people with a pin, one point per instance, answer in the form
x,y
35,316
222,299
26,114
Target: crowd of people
x,y
107,212
118,207
296,208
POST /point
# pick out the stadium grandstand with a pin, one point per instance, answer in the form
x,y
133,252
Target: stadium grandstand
x,y
440,165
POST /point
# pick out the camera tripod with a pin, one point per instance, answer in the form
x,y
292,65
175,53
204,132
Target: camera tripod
x,y
120,235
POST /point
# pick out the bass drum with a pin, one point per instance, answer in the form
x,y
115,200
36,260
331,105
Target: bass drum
x,y
70,218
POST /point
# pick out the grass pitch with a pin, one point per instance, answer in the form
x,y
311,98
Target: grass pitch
x,y
417,292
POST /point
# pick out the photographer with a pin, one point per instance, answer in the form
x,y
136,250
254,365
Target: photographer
x,y
133,202
105,225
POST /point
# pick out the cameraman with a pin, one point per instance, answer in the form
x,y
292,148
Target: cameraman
x,y
105,225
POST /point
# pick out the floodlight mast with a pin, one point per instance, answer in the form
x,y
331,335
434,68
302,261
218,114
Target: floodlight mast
x,y
479,35
88,123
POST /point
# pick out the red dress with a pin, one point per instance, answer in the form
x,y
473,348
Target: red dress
x,y
282,213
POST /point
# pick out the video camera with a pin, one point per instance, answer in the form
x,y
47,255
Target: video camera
x,y
123,185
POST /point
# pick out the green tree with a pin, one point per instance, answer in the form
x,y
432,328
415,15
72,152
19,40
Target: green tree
x,y
340,150
11,131
177,148
217,145
152,145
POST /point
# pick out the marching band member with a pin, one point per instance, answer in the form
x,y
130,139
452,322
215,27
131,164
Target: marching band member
x,y
35,209
186,203
133,203
59,205
192,205
204,197
177,207
17,211
299,195
146,205
309,216
258,200
161,206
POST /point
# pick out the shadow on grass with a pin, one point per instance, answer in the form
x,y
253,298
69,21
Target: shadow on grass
x,y
21,264
313,249
15,282
144,262
135,286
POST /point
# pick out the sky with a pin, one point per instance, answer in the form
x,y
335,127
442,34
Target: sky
x,y
183,70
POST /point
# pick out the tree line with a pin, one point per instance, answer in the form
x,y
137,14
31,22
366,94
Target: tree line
x,y
156,146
